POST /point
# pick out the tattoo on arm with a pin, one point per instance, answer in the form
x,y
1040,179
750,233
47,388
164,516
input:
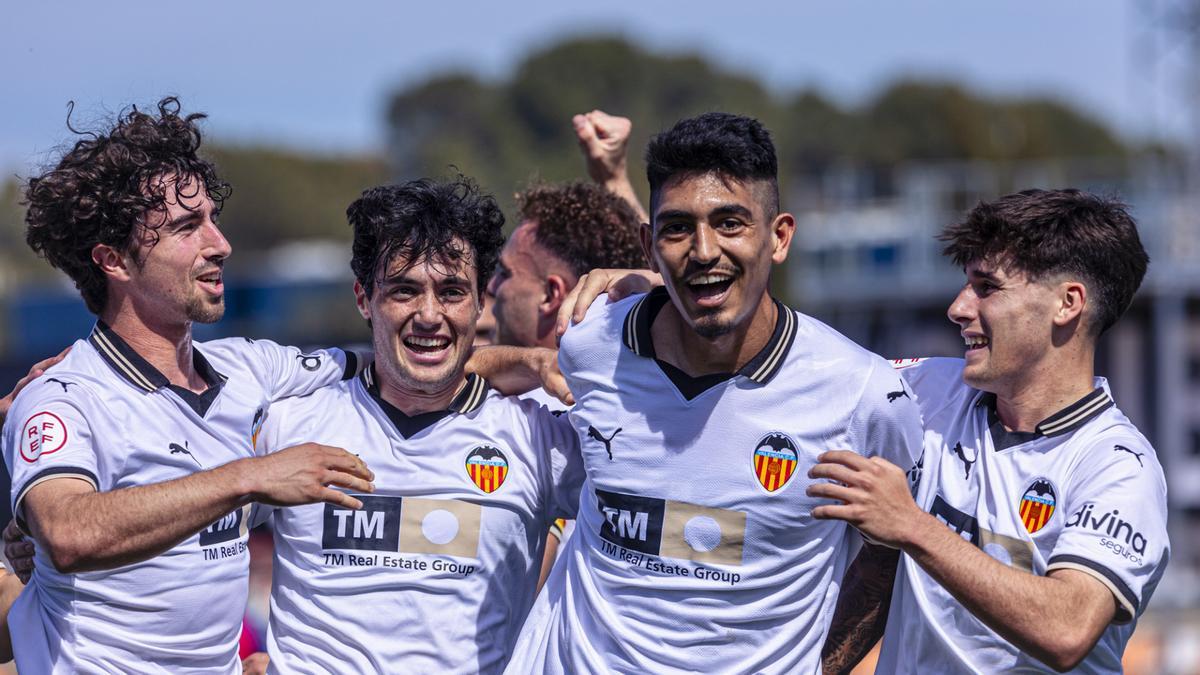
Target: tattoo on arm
x,y
862,608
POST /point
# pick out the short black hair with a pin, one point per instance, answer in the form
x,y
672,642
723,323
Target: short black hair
x,y
424,220
585,225
106,184
732,146
1046,233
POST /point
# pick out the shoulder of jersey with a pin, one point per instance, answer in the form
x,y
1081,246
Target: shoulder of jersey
x,y
1112,440
75,375
818,342
234,349
603,324
940,373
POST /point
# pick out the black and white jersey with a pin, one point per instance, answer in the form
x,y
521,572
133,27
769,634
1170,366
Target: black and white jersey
x,y
107,417
437,571
695,547
1084,491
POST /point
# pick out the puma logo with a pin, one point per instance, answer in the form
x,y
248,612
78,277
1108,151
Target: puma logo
x,y
1136,455
967,463
61,383
594,433
893,395
177,449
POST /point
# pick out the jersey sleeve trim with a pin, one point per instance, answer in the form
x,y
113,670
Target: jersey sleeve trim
x,y
1126,601
351,364
48,475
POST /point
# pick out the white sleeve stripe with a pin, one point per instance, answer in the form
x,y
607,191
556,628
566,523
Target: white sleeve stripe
x,y
1127,603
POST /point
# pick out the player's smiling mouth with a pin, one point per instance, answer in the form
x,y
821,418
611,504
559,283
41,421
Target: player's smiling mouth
x,y
427,348
711,288
974,342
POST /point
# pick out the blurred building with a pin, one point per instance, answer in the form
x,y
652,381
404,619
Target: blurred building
x,y
866,260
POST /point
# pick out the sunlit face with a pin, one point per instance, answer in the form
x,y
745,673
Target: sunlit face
x,y
1006,322
423,321
714,247
518,287
178,278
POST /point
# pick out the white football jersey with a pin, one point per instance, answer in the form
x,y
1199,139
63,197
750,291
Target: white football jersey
x,y
695,547
436,572
1084,491
106,416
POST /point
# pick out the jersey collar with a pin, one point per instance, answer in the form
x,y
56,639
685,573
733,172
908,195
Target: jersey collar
x,y
760,369
466,401
130,365
1062,422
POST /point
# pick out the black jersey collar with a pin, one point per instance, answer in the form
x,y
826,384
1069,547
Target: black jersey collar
x,y
764,366
467,400
1064,421
130,365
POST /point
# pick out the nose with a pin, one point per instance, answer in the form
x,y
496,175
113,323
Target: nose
x,y
704,245
962,310
429,313
217,242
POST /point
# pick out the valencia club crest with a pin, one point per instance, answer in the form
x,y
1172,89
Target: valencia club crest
x,y
1037,505
487,467
775,460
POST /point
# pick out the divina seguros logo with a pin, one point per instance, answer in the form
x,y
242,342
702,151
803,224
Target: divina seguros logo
x,y
1122,538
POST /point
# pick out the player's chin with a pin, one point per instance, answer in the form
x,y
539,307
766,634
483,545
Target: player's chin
x,y
209,310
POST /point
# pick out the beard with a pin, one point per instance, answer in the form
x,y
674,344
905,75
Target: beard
x,y
201,311
710,326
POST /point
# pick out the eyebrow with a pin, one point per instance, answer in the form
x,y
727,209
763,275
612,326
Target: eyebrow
x,y
185,219
722,210
403,278
730,210
978,274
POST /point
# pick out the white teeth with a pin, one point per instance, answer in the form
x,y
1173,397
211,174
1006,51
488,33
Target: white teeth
x,y
427,341
708,279
975,340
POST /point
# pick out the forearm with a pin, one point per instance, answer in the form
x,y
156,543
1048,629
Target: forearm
x,y
86,530
620,185
10,588
512,370
1043,616
862,609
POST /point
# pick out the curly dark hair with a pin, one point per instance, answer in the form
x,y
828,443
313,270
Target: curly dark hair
x,y
421,220
1048,233
105,185
585,225
732,146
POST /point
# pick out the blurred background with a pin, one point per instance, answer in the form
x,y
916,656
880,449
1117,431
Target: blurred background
x,y
889,120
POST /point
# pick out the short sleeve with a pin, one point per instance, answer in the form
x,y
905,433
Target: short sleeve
x,y
291,372
886,423
563,463
46,437
1116,523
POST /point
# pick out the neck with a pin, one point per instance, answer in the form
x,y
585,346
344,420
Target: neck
x,y
415,402
1044,391
679,344
166,346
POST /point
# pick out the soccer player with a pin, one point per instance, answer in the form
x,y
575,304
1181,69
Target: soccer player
x,y
700,408
133,458
1038,533
565,231
438,569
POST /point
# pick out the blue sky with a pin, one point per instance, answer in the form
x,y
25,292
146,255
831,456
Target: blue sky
x,y
314,75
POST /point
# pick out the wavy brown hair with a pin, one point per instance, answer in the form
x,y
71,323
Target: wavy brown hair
x,y
585,225
103,187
